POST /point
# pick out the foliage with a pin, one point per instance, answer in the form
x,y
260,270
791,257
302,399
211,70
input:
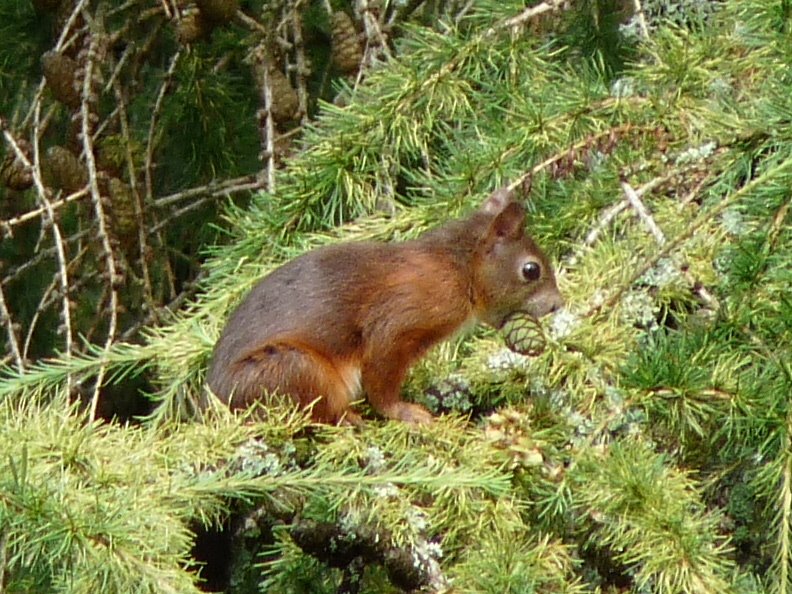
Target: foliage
x,y
646,449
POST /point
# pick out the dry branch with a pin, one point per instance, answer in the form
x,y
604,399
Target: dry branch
x,y
113,274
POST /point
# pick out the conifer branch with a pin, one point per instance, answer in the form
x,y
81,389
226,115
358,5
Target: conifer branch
x,y
112,271
563,163
704,217
174,215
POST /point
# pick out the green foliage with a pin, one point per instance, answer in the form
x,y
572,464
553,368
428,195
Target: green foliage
x,y
507,562
653,430
663,532
91,506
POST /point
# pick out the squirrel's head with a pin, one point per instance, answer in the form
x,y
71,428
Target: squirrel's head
x,y
510,272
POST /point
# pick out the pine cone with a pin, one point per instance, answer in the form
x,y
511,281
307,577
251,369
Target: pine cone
x,y
284,97
62,170
192,27
218,12
13,173
62,79
111,154
346,50
121,203
523,334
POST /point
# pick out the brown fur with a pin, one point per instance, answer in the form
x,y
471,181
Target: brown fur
x,y
360,314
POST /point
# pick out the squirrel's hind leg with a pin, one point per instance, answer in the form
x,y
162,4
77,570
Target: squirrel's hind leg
x,y
301,372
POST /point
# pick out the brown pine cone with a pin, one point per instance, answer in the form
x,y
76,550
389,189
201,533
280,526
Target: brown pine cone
x,y
13,173
121,204
218,12
346,49
62,79
192,27
284,97
62,170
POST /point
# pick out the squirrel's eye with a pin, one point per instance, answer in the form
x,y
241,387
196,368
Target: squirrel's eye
x,y
531,271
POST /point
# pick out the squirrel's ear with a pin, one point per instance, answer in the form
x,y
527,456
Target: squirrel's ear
x,y
498,201
509,223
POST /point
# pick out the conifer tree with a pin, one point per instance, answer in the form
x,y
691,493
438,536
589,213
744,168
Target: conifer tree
x,y
642,446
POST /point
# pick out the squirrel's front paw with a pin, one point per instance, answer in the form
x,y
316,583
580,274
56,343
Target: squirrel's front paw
x,y
415,414
351,418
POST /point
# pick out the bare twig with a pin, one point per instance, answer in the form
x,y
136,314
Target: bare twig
x,y
257,27
376,43
196,205
113,274
50,296
113,82
136,202
153,124
301,68
216,188
641,17
43,302
612,211
7,226
404,11
40,256
643,213
528,14
126,6
64,34
41,193
3,558
12,339
699,289
778,223
189,290
166,8
605,219
268,129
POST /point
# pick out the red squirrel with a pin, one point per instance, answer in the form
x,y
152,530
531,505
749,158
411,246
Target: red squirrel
x,y
358,315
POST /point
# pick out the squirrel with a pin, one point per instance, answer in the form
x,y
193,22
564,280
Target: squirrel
x,y
359,314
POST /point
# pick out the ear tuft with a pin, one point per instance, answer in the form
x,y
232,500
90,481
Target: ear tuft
x,y
508,224
498,201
